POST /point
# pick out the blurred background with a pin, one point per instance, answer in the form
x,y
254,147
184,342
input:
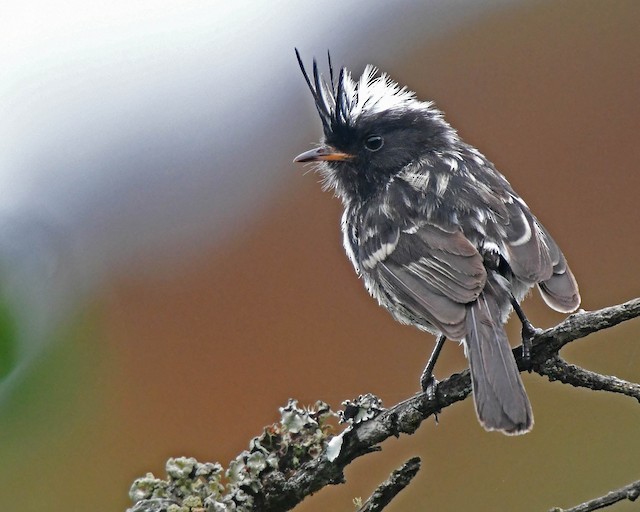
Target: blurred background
x,y
169,278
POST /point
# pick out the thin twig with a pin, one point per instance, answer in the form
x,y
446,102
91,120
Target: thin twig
x,y
628,492
390,488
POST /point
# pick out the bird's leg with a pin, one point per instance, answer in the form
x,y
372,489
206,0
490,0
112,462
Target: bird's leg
x,y
528,330
427,382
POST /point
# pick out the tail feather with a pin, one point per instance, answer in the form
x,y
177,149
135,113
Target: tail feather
x,y
499,395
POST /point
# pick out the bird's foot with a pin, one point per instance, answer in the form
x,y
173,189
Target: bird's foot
x,y
428,383
429,386
528,333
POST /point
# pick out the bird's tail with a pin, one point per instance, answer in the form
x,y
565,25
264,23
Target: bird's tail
x,y
499,395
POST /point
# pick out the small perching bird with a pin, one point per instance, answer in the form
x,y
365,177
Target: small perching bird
x,y
438,235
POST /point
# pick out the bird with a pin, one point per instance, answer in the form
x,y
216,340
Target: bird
x,y
437,234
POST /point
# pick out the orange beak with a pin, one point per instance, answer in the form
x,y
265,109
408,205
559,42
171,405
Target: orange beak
x,y
322,153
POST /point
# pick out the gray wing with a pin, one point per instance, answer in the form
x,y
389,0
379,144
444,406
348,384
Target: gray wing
x,y
431,271
534,257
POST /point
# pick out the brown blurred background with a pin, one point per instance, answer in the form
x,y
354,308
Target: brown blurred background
x,y
197,363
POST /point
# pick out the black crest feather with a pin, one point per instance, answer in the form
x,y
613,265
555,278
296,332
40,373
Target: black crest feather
x,y
331,99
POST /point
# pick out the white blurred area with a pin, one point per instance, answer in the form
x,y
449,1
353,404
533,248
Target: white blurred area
x,y
133,133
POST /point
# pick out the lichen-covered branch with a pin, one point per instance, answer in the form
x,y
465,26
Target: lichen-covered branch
x,y
629,492
297,457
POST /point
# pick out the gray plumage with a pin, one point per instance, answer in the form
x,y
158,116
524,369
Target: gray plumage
x,y
438,235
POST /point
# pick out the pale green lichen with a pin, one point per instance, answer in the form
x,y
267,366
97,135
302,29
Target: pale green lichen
x,y
193,486
363,408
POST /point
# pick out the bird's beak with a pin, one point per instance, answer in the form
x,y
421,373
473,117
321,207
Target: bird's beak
x,y
322,153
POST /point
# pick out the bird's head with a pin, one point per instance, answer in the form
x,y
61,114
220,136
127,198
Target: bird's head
x,y
372,127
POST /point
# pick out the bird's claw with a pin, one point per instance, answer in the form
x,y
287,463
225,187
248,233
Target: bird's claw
x,y
528,333
429,386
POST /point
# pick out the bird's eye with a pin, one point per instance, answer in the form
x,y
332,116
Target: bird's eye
x,y
373,142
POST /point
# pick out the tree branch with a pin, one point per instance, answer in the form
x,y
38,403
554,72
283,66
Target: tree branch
x,y
288,463
557,368
628,492
407,416
582,324
390,488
